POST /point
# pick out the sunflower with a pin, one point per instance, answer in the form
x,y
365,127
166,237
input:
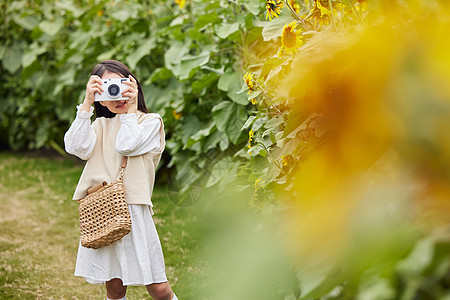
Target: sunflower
x,y
273,8
180,3
290,38
251,134
248,79
322,7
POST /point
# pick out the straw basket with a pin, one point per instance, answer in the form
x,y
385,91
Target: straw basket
x,y
104,215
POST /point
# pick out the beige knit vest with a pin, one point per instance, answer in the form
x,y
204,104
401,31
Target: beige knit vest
x,y
104,163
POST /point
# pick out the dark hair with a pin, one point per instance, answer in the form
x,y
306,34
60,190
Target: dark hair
x,y
114,66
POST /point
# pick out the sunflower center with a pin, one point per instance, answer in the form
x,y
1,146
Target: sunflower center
x,y
289,39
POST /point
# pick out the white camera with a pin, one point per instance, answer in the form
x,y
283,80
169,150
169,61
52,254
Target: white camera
x,y
112,90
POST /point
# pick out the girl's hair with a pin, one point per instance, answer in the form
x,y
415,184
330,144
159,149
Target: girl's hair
x,y
114,66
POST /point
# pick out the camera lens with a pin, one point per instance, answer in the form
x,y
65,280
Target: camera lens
x,y
113,90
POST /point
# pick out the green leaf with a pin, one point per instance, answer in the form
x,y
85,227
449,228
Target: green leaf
x,y
253,94
142,51
175,53
231,83
207,80
31,53
419,258
188,63
249,121
225,81
270,64
12,58
122,15
253,6
51,28
225,29
229,118
28,22
159,74
208,19
201,134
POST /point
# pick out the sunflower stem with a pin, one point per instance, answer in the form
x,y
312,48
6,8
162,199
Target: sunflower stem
x,y
355,11
332,15
297,16
268,100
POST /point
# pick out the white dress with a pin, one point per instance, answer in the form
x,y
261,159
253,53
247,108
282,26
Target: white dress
x,y
137,259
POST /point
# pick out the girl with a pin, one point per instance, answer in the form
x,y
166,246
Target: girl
x,y
121,128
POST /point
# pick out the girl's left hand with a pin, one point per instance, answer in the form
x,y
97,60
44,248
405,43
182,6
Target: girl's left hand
x,y
132,93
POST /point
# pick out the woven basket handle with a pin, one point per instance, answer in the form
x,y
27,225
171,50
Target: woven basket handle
x,y
123,166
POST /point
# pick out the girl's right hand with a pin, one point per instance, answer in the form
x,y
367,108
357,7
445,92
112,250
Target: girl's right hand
x,y
93,86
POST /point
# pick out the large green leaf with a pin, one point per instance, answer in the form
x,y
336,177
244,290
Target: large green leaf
x,y
225,29
143,50
31,53
12,58
188,63
28,22
51,28
229,118
231,83
253,6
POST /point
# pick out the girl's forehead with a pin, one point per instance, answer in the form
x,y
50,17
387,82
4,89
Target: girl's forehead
x,y
108,75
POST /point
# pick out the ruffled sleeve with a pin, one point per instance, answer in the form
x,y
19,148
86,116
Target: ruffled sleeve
x,y
136,138
80,139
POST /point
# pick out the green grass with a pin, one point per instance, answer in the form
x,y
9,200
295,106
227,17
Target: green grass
x,y
39,233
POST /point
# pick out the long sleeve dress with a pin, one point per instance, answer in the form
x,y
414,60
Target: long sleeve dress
x,y
137,259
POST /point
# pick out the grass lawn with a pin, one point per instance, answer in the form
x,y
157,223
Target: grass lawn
x,y
39,233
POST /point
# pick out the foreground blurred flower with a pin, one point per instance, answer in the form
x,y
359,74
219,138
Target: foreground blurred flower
x,y
295,6
180,3
290,38
257,185
273,8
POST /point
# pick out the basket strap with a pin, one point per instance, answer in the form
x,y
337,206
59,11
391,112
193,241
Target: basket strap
x,y
124,162
123,166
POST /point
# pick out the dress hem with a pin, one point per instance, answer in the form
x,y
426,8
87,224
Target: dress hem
x,y
102,282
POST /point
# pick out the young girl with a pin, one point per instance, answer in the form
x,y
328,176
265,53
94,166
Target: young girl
x,y
121,128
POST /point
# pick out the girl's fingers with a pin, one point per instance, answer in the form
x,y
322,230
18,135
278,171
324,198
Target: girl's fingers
x,y
96,85
129,83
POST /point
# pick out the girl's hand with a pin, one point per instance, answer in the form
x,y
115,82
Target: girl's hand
x,y
93,86
132,93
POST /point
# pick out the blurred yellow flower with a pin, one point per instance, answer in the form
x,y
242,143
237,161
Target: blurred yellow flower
x,y
273,8
248,79
295,6
253,101
181,3
100,13
290,38
257,185
176,115
287,160
322,8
